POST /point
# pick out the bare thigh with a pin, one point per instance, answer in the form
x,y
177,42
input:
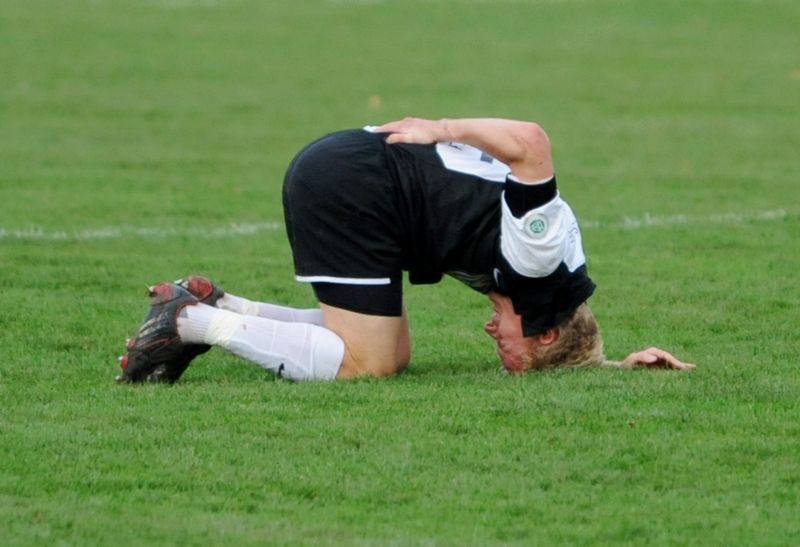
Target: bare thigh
x,y
374,345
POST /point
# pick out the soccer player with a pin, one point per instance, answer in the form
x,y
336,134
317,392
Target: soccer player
x,y
475,199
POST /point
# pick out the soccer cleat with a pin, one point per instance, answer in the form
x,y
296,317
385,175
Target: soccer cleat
x,y
156,353
202,288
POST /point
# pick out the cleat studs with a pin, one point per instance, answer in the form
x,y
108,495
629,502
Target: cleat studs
x,y
120,358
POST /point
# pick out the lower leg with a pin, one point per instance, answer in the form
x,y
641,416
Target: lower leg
x,y
294,350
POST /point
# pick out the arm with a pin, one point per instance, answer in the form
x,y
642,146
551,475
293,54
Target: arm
x,y
523,146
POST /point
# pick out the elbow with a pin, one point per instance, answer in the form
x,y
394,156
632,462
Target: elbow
x,y
534,161
534,139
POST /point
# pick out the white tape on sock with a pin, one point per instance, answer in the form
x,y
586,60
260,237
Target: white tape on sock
x,y
221,327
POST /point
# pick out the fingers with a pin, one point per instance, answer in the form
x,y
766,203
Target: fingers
x,y
396,138
668,360
389,127
410,131
655,358
638,359
680,365
408,138
397,126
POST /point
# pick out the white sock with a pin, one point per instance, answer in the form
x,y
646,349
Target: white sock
x,y
244,306
297,351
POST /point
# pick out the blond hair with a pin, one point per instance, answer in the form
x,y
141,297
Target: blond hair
x,y
579,343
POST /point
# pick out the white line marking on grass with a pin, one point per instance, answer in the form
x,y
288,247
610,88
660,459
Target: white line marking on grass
x,y
116,232
247,229
651,221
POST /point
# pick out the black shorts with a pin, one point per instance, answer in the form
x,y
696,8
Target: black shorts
x,y
343,223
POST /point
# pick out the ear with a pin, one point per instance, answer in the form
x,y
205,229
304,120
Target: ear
x,y
548,337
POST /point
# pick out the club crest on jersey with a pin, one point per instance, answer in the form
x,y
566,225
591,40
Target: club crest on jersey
x,y
536,225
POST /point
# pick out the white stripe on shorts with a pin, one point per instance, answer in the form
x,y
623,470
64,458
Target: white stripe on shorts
x,y
343,280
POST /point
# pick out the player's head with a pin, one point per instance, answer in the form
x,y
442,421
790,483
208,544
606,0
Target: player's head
x,y
576,341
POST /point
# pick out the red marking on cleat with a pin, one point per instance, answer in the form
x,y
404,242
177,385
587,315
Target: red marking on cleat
x,y
200,287
123,362
158,290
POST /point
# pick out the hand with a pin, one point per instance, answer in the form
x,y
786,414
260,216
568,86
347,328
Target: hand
x,y
414,131
655,358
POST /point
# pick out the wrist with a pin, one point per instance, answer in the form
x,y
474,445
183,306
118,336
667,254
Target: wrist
x,y
446,129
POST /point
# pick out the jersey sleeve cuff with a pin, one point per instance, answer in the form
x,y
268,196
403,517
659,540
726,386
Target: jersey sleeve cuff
x,y
522,197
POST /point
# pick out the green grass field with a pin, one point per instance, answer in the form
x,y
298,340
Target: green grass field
x,y
142,140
